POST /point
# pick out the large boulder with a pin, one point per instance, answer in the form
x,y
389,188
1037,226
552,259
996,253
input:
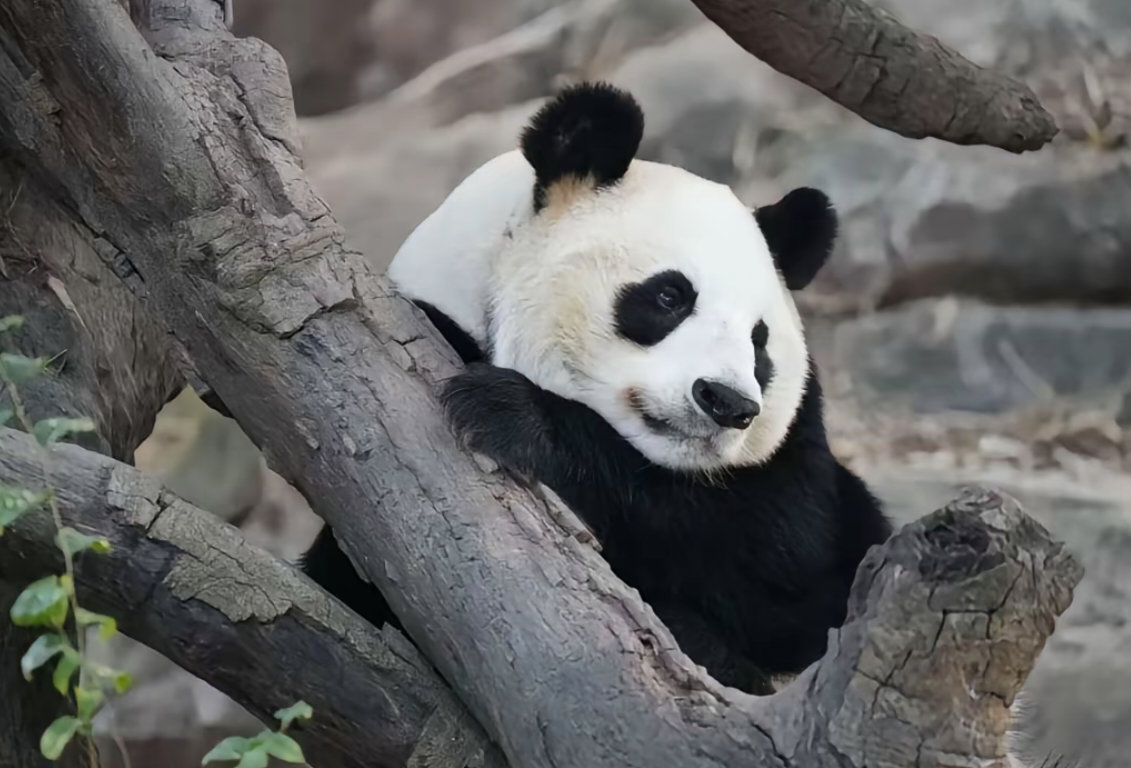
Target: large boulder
x,y
941,355
341,52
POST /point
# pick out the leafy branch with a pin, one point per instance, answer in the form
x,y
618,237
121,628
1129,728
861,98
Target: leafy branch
x,y
50,601
256,751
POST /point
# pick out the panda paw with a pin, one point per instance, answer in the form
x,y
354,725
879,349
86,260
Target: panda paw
x,y
497,412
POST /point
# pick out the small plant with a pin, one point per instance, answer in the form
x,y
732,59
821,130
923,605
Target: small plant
x,y
256,751
51,602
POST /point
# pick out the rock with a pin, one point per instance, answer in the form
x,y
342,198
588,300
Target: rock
x,y
330,55
535,58
938,355
928,219
203,457
340,52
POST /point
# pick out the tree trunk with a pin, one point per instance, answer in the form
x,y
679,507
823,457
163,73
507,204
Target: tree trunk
x,y
334,376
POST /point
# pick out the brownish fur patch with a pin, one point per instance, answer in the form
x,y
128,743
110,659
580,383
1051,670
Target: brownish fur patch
x,y
561,195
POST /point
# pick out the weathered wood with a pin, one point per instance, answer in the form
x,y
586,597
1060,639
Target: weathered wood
x,y
190,587
334,376
110,360
863,59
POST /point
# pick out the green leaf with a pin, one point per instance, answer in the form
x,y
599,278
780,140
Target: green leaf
x,y
45,648
120,681
87,702
57,736
42,603
14,502
6,415
11,323
16,369
231,748
282,746
256,757
108,677
65,669
71,541
300,710
107,626
53,430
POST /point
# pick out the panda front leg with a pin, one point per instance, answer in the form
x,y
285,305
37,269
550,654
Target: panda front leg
x,y
706,647
532,433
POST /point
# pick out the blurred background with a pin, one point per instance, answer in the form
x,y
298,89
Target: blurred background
x,y
974,325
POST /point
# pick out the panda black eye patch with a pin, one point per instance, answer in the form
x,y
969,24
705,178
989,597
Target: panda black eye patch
x,y
646,312
763,365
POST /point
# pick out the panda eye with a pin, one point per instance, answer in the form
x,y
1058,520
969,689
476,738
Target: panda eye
x,y
761,334
670,297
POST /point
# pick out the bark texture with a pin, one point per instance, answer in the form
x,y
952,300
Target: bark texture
x,y
865,60
182,148
190,587
110,361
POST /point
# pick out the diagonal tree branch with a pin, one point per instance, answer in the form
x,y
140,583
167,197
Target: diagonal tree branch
x,y
190,587
334,376
863,59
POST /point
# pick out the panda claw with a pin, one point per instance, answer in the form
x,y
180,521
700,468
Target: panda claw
x,y
492,412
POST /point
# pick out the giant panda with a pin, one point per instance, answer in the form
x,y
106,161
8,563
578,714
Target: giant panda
x,y
633,345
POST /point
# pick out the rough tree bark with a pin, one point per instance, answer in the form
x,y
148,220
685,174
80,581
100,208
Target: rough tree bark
x,y
334,376
190,587
865,60
110,360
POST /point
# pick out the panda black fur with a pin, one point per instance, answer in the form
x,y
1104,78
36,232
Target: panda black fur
x,y
745,548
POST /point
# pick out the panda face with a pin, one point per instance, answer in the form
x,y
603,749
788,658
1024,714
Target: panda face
x,y
657,303
641,290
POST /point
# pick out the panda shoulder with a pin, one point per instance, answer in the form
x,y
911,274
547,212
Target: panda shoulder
x,y
446,260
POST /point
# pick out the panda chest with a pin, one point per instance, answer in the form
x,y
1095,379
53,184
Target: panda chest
x,y
729,539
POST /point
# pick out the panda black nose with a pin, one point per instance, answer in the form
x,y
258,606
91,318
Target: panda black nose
x,y
726,406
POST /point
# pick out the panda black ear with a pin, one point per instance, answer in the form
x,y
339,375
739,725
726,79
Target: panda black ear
x,y
800,230
588,132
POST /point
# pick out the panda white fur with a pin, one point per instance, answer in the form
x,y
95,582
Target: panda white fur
x,y
632,344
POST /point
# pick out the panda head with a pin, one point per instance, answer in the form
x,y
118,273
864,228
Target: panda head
x,y
652,295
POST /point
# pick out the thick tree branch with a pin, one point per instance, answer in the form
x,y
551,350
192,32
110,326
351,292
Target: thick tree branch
x,y
190,587
334,376
865,60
